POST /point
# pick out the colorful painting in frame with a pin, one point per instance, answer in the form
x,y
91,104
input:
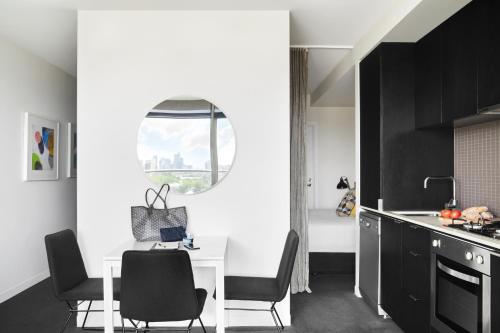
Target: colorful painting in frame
x,y
41,148
72,155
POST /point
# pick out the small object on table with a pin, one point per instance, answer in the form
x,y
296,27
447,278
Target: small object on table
x,y
188,242
165,246
172,234
188,239
191,247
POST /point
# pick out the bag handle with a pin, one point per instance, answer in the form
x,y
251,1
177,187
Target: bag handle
x,y
158,196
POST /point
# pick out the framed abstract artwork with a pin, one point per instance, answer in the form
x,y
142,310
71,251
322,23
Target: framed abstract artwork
x,y
41,144
71,165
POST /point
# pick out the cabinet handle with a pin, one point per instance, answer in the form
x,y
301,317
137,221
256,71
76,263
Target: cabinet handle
x,y
398,221
414,227
413,298
414,254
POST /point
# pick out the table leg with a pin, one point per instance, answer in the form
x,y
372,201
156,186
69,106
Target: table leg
x,y
219,302
108,297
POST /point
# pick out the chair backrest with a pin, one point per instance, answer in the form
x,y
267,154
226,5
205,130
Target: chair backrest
x,y
66,266
286,265
157,286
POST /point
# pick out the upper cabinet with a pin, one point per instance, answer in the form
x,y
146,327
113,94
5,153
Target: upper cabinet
x,y
460,48
370,129
429,80
489,56
395,157
457,68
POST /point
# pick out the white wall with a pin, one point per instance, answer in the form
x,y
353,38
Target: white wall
x,y
30,210
335,152
335,157
130,61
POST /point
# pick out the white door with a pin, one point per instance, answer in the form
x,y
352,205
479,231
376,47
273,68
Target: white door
x,y
311,164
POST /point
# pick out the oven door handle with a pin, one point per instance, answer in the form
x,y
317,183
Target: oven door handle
x,y
457,274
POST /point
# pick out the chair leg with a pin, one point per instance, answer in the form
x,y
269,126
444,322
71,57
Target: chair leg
x,y
190,326
86,315
273,308
123,325
278,327
202,326
67,322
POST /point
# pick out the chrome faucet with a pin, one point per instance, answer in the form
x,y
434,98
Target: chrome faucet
x,y
453,202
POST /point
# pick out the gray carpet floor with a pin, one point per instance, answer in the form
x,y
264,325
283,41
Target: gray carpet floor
x,y
331,307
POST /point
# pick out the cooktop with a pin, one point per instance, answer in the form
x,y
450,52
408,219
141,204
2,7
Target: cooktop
x,y
486,229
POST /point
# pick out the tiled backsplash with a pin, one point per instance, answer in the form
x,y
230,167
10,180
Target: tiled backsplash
x,y
477,166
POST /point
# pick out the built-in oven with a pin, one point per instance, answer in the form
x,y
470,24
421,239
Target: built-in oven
x,y
460,286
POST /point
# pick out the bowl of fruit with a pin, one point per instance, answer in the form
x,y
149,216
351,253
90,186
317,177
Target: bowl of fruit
x,y
448,216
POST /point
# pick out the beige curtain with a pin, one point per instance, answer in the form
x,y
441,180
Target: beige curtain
x,y
298,200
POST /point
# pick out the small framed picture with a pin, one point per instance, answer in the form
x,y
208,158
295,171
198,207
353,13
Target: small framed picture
x,y
41,145
71,165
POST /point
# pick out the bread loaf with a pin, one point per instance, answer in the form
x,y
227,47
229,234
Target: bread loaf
x,y
475,214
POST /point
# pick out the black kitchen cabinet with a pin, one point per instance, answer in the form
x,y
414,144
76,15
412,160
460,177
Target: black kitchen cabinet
x,y
370,130
460,51
391,269
429,80
405,279
489,55
395,156
495,293
416,278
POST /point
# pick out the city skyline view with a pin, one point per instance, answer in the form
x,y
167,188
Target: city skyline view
x,y
166,143
175,163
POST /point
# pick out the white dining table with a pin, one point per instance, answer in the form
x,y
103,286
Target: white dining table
x,y
212,253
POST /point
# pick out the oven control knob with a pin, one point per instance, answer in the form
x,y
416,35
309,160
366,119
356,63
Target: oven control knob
x,y
469,255
479,259
436,243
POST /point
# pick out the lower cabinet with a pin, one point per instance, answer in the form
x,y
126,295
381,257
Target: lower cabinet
x,y
405,274
416,278
391,269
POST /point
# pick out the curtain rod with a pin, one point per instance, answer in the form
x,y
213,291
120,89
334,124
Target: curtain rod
x,y
338,47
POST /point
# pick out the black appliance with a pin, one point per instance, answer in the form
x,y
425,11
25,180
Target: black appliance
x,y
460,286
369,259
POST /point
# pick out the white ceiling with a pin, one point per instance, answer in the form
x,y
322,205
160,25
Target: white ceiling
x,y
321,62
48,28
341,95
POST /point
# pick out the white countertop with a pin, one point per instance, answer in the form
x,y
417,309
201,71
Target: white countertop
x,y
434,223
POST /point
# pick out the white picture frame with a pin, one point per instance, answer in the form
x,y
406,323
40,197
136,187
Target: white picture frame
x,y
41,148
71,164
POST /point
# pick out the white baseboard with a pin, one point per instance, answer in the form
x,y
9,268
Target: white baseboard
x,y
381,312
13,291
357,292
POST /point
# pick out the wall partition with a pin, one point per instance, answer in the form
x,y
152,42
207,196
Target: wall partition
x,y
129,62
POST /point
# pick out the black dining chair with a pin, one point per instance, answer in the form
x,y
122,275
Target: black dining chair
x,y
262,289
158,286
70,281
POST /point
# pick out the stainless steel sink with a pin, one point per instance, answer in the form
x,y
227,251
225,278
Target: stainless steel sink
x,y
416,213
